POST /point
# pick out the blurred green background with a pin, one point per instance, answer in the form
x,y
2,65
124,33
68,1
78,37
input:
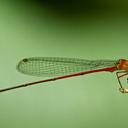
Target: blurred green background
x,y
78,29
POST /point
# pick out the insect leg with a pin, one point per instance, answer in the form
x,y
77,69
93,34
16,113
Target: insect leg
x,y
122,89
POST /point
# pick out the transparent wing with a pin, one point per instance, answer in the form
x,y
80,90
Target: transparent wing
x,y
55,66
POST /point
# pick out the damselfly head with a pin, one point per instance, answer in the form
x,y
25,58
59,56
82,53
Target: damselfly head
x,y
123,65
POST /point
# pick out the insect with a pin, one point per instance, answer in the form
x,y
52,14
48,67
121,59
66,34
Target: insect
x,y
61,68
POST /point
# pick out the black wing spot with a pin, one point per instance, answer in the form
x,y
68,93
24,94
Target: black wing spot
x,y
25,60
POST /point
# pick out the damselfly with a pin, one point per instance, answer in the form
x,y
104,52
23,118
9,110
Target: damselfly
x,y
61,68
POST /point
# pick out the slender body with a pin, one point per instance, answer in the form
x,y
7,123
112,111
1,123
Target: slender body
x,y
61,68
